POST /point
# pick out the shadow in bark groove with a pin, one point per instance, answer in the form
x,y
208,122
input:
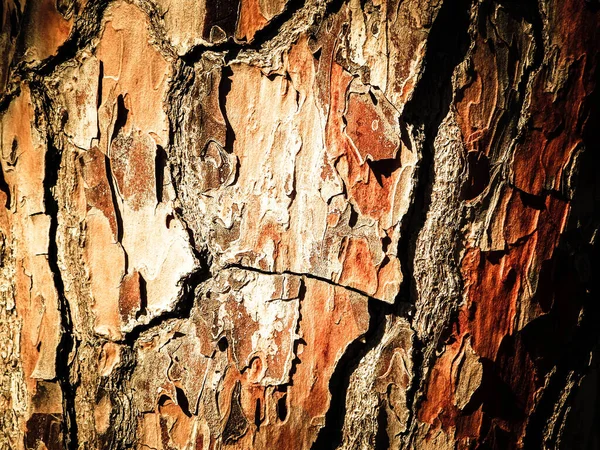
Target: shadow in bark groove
x,y
330,436
232,48
4,188
181,311
67,344
447,47
429,105
88,25
224,89
576,285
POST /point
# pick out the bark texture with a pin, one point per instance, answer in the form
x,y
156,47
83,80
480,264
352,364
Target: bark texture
x,y
299,224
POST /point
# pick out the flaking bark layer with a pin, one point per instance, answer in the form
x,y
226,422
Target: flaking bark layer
x,y
299,224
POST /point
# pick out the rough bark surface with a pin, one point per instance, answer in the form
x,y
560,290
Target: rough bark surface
x,y
299,224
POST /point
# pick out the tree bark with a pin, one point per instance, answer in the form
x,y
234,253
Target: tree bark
x,y
299,224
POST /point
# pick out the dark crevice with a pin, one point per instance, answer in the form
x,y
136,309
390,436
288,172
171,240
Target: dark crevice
x,y
223,344
353,219
4,187
67,344
115,200
121,119
99,94
533,201
262,36
257,414
14,153
282,410
447,46
182,401
384,168
382,440
478,167
224,89
100,79
181,310
160,164
330,436
143,309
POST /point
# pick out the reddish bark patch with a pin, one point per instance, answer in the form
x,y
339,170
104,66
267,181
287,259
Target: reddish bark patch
x,y
130,296
559,114
97,188
372,125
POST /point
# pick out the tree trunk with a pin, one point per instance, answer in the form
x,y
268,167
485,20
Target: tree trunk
x,y
288,224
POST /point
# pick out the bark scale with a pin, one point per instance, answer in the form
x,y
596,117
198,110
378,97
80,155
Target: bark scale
x,y
299,224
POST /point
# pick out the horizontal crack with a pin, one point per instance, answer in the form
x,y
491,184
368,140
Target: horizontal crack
x,y
307,275
261,37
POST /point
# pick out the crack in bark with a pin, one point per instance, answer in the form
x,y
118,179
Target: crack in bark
x,y
299,274
114,197
224,89
87,26
68,343
231,48
5,188
425,112
330,436
181,310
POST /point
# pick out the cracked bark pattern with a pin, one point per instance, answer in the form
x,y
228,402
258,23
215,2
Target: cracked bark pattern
x,y
299,224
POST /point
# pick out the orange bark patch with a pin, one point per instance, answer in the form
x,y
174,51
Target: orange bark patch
x,y
250,20
358,267
372,126
46,29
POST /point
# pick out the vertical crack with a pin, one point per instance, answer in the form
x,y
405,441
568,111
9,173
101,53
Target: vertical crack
x,y
224,89
330,436
447,47
5,188
115,200
67,345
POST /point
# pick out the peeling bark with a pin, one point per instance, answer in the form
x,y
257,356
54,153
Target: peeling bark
x,y
311,224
